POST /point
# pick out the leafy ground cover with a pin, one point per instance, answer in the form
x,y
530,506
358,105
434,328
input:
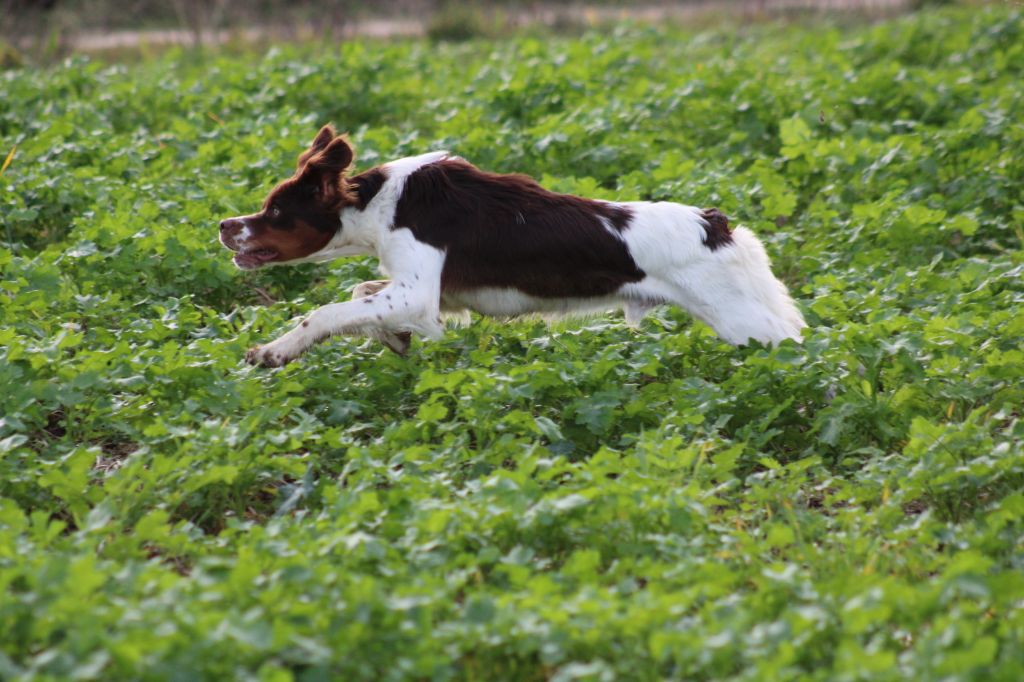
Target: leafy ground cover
x,y
518,501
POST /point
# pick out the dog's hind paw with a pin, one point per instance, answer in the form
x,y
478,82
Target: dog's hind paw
x,y
397,342
265,356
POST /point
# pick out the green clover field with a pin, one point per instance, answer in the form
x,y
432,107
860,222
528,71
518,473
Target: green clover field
x,y
522,501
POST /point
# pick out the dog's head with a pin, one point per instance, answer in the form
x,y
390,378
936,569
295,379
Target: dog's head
x,y
301,214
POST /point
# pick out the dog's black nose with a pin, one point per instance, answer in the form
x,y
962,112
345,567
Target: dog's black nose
x,y
223,225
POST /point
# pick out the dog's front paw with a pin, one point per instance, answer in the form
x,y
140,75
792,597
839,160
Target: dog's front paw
x,y
266,356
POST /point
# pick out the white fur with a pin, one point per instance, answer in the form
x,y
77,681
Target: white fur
x,y
732,288
499,302
243,236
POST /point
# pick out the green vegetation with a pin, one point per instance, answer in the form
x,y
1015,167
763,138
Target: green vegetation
x,y
517,501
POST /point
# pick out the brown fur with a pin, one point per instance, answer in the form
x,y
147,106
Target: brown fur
x,y
717,234
508,231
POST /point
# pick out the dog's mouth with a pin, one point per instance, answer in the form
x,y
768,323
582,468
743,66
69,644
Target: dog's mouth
x,y
254,258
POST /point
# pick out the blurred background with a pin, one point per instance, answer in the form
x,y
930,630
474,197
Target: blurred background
x,y
36,30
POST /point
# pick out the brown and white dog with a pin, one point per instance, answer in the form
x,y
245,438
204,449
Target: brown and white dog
x,y
454,238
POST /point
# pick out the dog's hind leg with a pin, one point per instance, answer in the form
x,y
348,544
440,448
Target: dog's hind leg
x,y
398,342
719,275
635,309
733,290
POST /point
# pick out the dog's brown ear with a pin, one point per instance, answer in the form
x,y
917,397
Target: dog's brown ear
x,y
326,169
320,142
337,156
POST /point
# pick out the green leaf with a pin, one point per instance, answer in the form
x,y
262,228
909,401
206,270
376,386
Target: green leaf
x,y
795,136
480,610
780,535
918,215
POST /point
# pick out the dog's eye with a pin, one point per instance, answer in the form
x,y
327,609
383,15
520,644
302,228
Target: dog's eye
x,y
275,212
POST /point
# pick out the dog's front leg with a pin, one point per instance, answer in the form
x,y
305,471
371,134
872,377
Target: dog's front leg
x,y
397,342
384,313
410,302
